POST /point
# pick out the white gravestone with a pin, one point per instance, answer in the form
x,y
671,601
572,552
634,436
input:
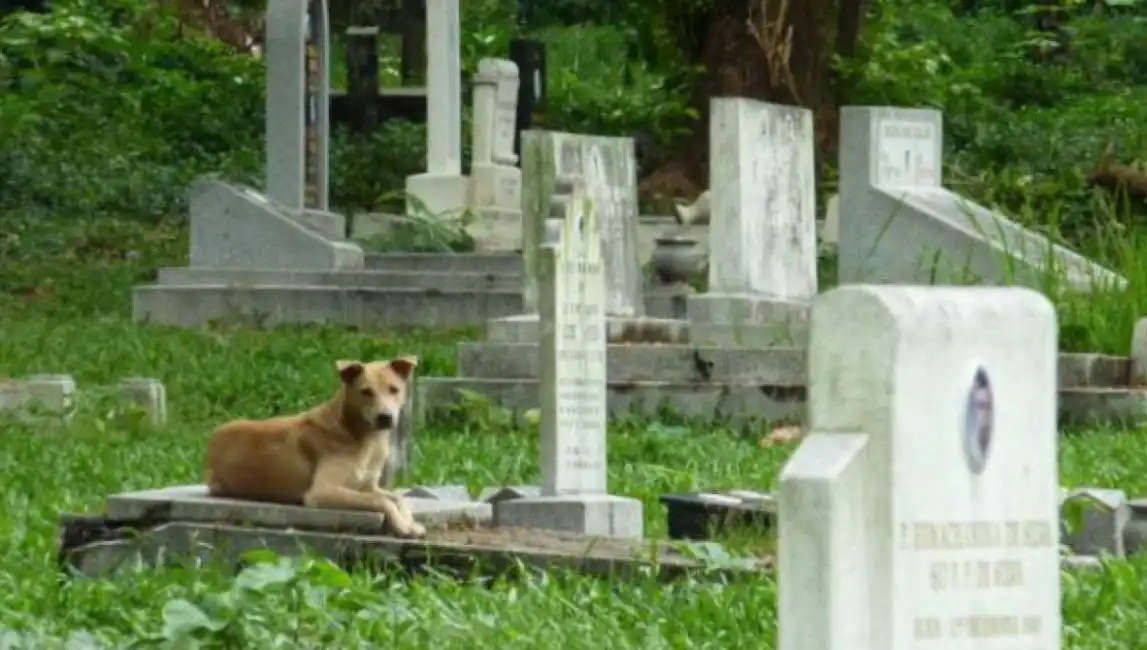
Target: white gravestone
x,y
298,101
443,188
574,492
495,180
762,228
922,509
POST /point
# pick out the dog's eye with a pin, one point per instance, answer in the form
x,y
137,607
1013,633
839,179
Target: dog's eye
x,y
368,392
394,390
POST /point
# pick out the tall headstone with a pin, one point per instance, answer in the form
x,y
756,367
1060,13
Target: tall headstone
x,y
298,104
548,154
891,148
572,384
495,180
921,511
442,189
762,230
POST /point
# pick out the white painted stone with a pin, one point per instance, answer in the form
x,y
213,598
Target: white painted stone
x,y
573,348
909,153
297,112
920,513
762,227
831,234
52,392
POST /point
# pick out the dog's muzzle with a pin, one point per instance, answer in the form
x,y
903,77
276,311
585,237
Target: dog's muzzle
x,y
384,421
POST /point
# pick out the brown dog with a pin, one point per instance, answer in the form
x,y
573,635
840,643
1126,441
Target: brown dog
x,y
331,456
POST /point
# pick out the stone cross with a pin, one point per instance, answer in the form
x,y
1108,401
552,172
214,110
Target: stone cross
x,y
298,103
921,511
573,383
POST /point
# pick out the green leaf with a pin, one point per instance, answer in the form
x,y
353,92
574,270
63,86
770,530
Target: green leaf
x,y
181,618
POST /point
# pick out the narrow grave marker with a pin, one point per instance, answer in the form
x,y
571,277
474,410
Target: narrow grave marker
x,y
921,511
572,308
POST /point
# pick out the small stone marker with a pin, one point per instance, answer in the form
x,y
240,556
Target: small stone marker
x,y
922,509
573,386
762,230
52,392
149,394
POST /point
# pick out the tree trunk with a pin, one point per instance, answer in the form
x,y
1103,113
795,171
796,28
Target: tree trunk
x,y
772,50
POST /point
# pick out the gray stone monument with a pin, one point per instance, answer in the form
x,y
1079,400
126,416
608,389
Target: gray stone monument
x,y
298,104
495,181
762,231
898,224
548,154
574,494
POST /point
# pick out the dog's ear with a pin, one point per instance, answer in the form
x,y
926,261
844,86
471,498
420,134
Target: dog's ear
x,y
349,370
404,367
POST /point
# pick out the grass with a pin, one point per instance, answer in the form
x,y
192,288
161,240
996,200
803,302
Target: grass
x,y
65,308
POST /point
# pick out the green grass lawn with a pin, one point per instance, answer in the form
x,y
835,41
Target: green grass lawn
x,y
64,307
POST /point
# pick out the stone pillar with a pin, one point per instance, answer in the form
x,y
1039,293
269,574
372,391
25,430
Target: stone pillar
x,y
442,189
495,180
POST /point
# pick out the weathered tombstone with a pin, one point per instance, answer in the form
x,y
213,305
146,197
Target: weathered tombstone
x,y
495,180
549,154
574,495
762,230
922,508
442,189
298,103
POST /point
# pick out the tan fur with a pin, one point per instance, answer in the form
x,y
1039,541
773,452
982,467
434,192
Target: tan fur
x,y
331,456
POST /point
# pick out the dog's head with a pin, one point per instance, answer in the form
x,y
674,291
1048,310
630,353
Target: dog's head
x,y
373,393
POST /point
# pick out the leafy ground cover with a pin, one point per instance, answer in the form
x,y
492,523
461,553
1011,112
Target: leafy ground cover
x,y
66,309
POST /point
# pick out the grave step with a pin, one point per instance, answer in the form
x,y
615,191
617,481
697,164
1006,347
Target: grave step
x,y
274,305
743,401
191,305
523,328
492,263
629,363
446,282
688,363
732,401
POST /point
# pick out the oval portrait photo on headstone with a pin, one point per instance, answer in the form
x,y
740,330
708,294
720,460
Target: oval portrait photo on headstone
x,y
978,422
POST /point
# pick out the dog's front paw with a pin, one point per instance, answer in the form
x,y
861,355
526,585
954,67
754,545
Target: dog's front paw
x,y
412,530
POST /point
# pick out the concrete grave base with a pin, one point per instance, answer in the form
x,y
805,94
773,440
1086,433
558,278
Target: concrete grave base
x,y
523,328
746,321
455,282
603,515
415,263
496,230
440,194
274,305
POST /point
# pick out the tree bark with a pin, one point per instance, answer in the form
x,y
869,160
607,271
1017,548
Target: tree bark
x,y
778,51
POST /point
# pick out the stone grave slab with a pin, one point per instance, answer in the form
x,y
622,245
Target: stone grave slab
x,y
572,390
762,266
190,503
899,225
237,227
922,509
488,551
